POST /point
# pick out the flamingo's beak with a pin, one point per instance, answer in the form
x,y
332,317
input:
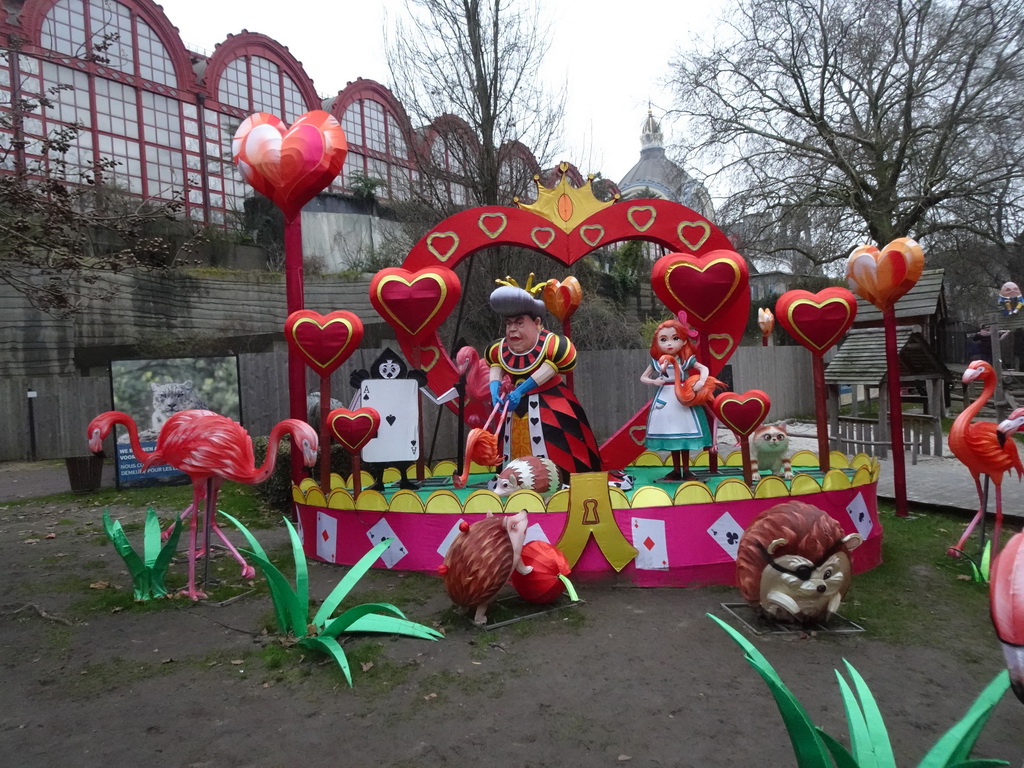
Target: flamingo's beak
x,y
1001,437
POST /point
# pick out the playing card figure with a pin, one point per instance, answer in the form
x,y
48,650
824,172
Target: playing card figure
x,y
545,418
677,422
794,563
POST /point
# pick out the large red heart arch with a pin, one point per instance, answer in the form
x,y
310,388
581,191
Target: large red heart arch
x,y
817,320
675,227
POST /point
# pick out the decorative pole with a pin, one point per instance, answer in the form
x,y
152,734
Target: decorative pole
x,y
291,166
883,278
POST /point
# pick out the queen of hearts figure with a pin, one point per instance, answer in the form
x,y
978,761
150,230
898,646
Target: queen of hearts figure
x,y
546,419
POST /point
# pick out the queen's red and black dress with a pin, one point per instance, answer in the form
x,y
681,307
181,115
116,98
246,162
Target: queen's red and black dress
x,y
549,421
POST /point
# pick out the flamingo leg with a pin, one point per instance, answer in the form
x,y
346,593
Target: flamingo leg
x,y
191,590
189,511
983,502
248,572
997,529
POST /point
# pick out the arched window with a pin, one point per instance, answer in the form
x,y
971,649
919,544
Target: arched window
x,y
257,84
376,148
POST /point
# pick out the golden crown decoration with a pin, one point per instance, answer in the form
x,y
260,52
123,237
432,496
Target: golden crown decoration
x,y
563,204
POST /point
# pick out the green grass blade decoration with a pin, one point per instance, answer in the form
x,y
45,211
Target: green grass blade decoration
x,y
808,747
980,764
956,744
986,562
301,572
860,739
147,572
354,574
877,733
842,757
342,623
379,624
569,588
330,647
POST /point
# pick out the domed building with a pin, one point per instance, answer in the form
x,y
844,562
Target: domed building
x,y
657,176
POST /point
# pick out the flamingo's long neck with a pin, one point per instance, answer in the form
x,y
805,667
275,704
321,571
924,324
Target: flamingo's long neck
x,y
133,436
968,414
677,385
264,470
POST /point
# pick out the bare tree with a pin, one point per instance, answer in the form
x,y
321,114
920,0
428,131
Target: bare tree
x,y
835,122
479,61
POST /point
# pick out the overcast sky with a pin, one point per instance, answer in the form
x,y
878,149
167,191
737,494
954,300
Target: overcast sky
x,y
613,56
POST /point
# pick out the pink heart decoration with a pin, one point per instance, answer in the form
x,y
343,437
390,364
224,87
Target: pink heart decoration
x,y
289,165
353,429
742,413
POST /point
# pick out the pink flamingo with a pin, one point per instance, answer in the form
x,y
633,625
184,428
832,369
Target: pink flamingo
x,y
467,361
980,449
1007,585
211,448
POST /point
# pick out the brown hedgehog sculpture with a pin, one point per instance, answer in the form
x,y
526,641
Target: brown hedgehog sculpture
x,y
794,563
481,559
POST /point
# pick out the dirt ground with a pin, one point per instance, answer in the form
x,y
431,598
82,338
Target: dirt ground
x,y
631,676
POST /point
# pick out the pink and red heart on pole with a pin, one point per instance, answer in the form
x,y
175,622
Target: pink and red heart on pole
x,y
354,429
323,342
290,166
882,278
818,321
742,414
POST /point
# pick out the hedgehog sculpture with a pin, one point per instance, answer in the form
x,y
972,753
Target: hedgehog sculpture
x,y
794,563
530,472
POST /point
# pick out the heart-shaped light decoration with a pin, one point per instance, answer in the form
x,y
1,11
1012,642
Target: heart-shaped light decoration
x,y
705,286
817,320
353,429
562,298
323,341
765,321
415,303
742,413
289,165
884,277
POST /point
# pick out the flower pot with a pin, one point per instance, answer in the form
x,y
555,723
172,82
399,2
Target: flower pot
x,y
85,473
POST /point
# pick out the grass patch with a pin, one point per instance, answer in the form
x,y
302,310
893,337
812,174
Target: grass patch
x,y
107,676
918,592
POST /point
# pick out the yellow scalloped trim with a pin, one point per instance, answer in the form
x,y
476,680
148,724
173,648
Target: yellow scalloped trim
x,y
650,496
340,498
443,502
835,480
308,483
297,495
804,484
771,487
391,475
483,501
734,459
365,480
372,501
649,459
838,460
804,459
861,460
405,501
733,489
315,497
876,469
559,502
861,477
337,481
445,468
693,492
526,499
411,472
701,460
618,498
476,469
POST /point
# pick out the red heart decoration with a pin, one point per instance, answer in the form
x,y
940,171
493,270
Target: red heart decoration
x,y
708,287
742,413
415,303
323,341
290,166
816,320
562,298
353,429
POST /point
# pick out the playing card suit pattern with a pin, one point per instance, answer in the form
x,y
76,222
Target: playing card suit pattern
x,y
883,277
742,413
353,429
324,342
706,285
562,298
817,320
415,303
289,165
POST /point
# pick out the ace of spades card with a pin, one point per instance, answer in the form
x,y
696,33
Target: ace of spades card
x,y
398,403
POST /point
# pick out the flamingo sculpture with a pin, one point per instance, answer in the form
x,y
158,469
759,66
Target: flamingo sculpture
x,y
211,448
1007,586
980,449
468,362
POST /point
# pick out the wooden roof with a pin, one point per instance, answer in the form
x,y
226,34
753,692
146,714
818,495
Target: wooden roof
x,y
861,359
926,299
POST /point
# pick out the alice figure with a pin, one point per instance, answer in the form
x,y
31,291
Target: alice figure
x,y
676,422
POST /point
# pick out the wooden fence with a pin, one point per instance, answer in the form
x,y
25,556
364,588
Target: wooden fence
x,y
922,435
607,383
